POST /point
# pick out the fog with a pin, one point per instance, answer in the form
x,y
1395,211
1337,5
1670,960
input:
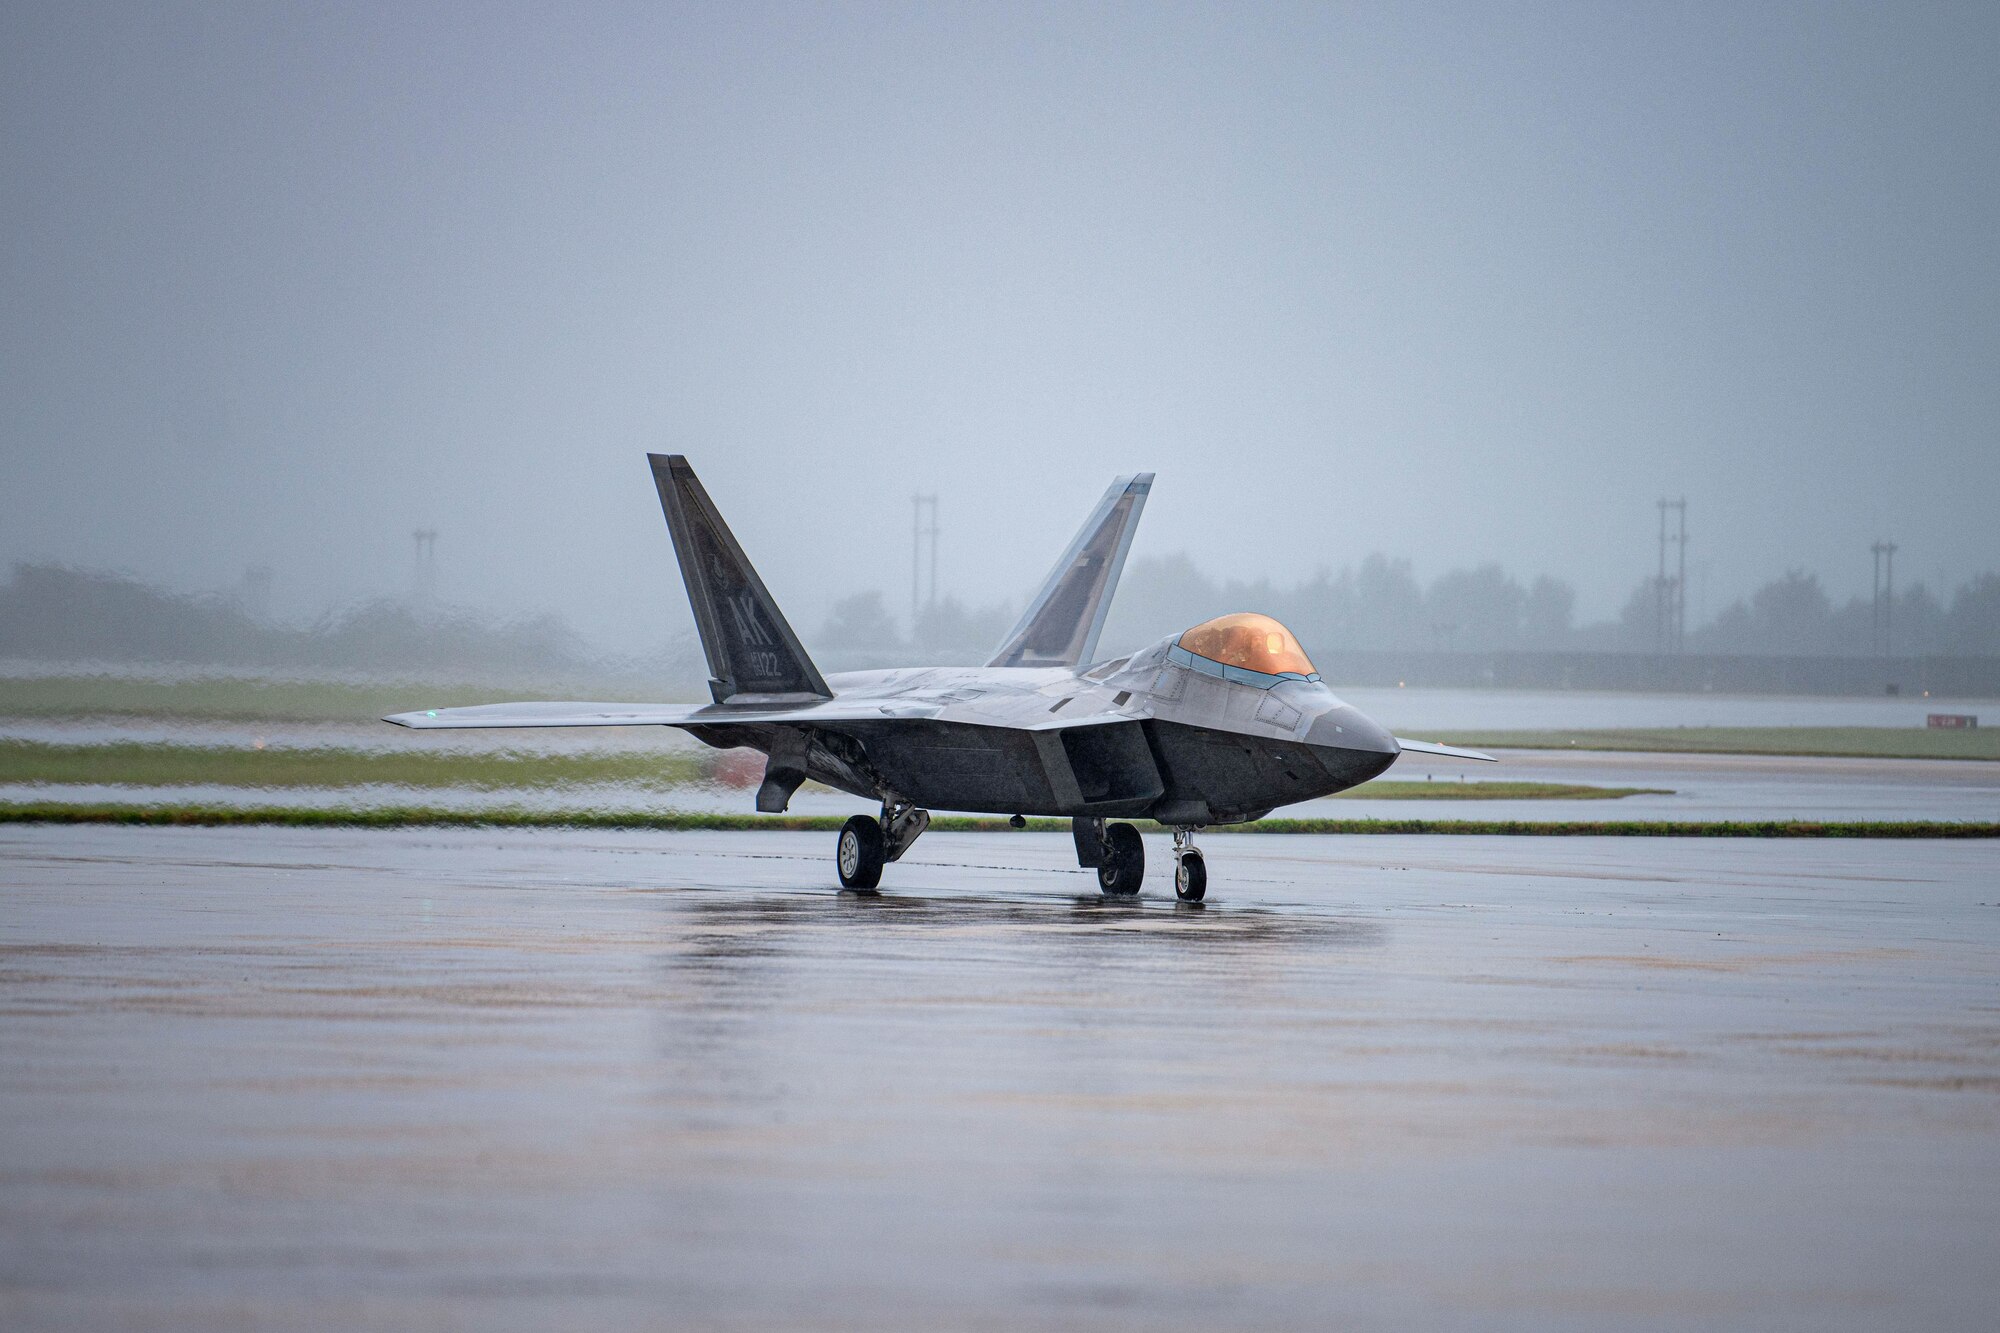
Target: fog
x,y
1461,285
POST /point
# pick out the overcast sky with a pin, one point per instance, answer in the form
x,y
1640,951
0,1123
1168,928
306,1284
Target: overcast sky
x,y
1459,282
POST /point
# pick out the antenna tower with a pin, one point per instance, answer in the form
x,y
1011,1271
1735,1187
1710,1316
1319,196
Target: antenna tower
x,y
1670,590
424,581
923,524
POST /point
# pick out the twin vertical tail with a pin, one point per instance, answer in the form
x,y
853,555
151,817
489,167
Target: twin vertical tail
x,y
753,656
1061,625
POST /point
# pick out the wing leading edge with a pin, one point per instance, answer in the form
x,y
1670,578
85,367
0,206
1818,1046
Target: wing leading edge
x,y
653,715
1449,751
1061,625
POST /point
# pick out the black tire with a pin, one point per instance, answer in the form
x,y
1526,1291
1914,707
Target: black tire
x,y
1124,865
858,855
1191,878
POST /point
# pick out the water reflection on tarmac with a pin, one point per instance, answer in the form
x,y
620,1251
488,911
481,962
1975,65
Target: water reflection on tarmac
x,y
285,1078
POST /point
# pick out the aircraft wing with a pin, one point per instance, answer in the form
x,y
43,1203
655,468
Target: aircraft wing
x,y
1448,751
653,715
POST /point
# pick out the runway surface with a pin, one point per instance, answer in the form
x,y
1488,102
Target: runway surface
x,y
304,1079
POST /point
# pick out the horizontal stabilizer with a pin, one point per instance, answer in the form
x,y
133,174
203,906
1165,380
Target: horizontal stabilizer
x,y
1060,627
1448,751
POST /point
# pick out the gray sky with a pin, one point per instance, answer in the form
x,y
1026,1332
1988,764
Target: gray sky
x,y
1462,282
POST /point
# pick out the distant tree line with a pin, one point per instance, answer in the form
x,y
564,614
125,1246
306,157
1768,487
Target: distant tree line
x,y
1378,604
57,613
1793,615
860,632
1381,605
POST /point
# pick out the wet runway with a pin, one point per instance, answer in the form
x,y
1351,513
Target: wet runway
x,y
298,1079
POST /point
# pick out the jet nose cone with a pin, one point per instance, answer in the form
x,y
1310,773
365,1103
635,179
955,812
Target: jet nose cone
x,y
1345,727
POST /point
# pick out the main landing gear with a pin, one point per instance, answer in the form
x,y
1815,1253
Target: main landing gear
x,y
867,844
1124,865
1114,850
1190,870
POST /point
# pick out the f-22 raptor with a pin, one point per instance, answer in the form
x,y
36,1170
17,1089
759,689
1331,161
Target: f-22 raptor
x,y
1217,725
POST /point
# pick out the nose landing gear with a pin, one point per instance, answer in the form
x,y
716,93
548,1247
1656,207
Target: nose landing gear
x,y
1190,870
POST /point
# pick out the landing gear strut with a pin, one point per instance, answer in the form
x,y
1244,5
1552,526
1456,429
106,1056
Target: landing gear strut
x,y
1190,870
867,844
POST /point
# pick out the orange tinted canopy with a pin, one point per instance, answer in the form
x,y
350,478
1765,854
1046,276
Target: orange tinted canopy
x,y
1250,641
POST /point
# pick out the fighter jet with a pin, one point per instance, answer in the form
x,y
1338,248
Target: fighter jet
x,y
1218,725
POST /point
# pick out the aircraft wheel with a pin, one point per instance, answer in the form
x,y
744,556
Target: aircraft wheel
x,y
1124,861
859,858
1191,877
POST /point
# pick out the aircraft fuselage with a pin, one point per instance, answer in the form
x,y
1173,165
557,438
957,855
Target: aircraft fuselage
x,y
1139,737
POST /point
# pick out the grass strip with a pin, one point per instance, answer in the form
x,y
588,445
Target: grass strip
x,y
219,698
168,764
1830,742
60,812
1384,789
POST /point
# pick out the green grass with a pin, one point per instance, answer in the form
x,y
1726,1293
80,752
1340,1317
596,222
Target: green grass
x,y
218,698
1386,790
168,764
171,765
1853,742
58,812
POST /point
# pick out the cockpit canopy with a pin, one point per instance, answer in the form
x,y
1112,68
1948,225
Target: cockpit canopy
x,y
1245,642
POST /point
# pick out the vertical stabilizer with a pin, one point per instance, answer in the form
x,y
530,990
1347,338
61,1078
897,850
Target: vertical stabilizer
x,y
751,650
1061,625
